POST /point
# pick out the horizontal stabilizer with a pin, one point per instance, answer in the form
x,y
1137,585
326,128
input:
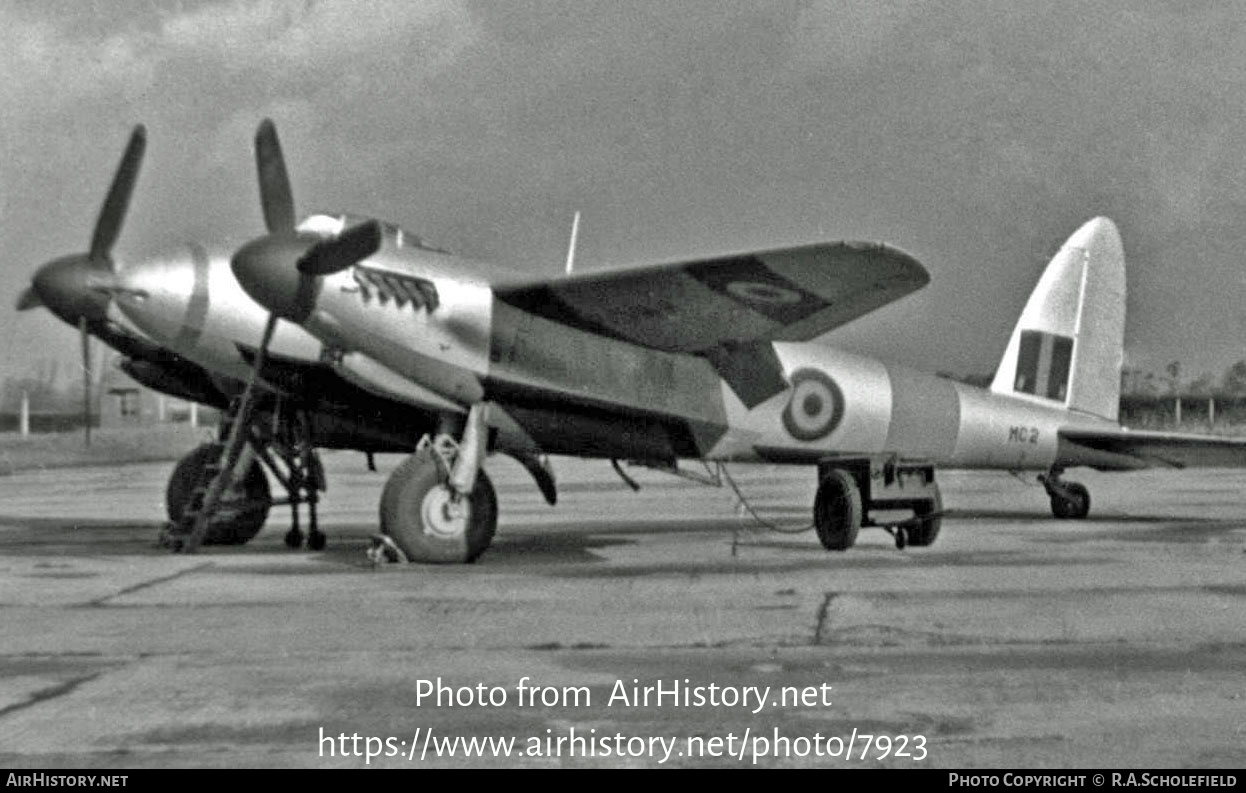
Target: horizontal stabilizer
x,y
1117,449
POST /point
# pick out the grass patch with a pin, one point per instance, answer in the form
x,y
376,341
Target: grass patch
x,y
114,446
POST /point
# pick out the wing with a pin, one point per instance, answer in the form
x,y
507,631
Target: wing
x,y
782,295
1121,449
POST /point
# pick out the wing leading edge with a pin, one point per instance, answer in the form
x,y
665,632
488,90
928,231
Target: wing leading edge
x,y
784,295
1124,449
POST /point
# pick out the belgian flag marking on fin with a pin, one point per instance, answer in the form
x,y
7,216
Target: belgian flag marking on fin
x,y
1043,364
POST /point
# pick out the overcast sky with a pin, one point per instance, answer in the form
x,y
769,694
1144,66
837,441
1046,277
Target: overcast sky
x,y
976,135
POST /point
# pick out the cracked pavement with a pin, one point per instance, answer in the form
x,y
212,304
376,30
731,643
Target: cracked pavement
x,y
1016,640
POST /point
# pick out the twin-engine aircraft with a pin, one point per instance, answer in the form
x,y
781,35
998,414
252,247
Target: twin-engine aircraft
x,y
708,359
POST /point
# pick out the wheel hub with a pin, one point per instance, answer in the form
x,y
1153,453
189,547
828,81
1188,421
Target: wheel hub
x,y
443,514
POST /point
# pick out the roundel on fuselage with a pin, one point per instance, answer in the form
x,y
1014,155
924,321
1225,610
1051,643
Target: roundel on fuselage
x,y
815,407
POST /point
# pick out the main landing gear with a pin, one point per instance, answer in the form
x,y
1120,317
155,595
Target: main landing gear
x,y
242,510
439,506
850,488
213,500
1069,500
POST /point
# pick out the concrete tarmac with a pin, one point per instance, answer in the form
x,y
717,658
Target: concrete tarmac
x,y
1015,641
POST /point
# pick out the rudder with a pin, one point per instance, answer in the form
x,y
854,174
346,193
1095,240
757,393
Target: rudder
x,y
1068,345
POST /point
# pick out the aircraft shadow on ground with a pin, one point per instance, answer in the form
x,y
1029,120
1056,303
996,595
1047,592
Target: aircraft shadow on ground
x,y
528,544
78,537
46,523
580,543
1172,532
1032,516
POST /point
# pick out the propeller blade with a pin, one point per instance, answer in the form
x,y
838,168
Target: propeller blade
x,y
112,213
334,255
28,299
86,377
275,194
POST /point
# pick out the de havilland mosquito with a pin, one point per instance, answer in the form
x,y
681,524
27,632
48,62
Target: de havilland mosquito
x,y
379,342
710,359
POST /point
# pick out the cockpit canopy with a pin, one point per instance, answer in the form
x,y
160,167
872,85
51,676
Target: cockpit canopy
x,y
331,225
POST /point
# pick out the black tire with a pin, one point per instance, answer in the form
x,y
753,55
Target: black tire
x,y
925,533
414,493
837,510
1076,506
233,525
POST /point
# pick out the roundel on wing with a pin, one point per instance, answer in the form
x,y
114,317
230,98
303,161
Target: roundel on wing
x,y
759,292
816,406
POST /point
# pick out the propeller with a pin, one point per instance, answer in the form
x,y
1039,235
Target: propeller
x,y
76,287
28,299
334,255
86,378
276,197
112,213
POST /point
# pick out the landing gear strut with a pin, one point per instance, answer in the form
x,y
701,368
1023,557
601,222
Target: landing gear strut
x,y
850,488
219,495
1069,500
439,506
292,459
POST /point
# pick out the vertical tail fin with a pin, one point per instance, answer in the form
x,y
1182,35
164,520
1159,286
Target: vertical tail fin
x,y
1068,345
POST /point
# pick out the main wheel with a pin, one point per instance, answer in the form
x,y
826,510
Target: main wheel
x,y
429,522
924,534
1076,506
837,510
241,512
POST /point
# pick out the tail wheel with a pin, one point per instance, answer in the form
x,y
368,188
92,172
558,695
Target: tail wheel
x,y
924,533
429,521
242,511
837,510
1074,504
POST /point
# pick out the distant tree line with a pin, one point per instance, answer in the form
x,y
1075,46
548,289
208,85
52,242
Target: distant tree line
x,y
1136,382
1142,383
45,390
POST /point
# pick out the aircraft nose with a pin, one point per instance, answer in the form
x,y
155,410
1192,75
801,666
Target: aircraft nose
x,y
70,288
266,268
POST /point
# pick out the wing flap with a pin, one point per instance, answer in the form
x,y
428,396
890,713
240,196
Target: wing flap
x,y
783,295
1121,449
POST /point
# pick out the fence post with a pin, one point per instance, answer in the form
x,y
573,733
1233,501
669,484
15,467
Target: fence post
x,y
24,425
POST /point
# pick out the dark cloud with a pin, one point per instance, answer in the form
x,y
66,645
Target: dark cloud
x,y
975,134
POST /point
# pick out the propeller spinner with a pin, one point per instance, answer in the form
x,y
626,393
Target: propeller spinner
x,y
280,270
